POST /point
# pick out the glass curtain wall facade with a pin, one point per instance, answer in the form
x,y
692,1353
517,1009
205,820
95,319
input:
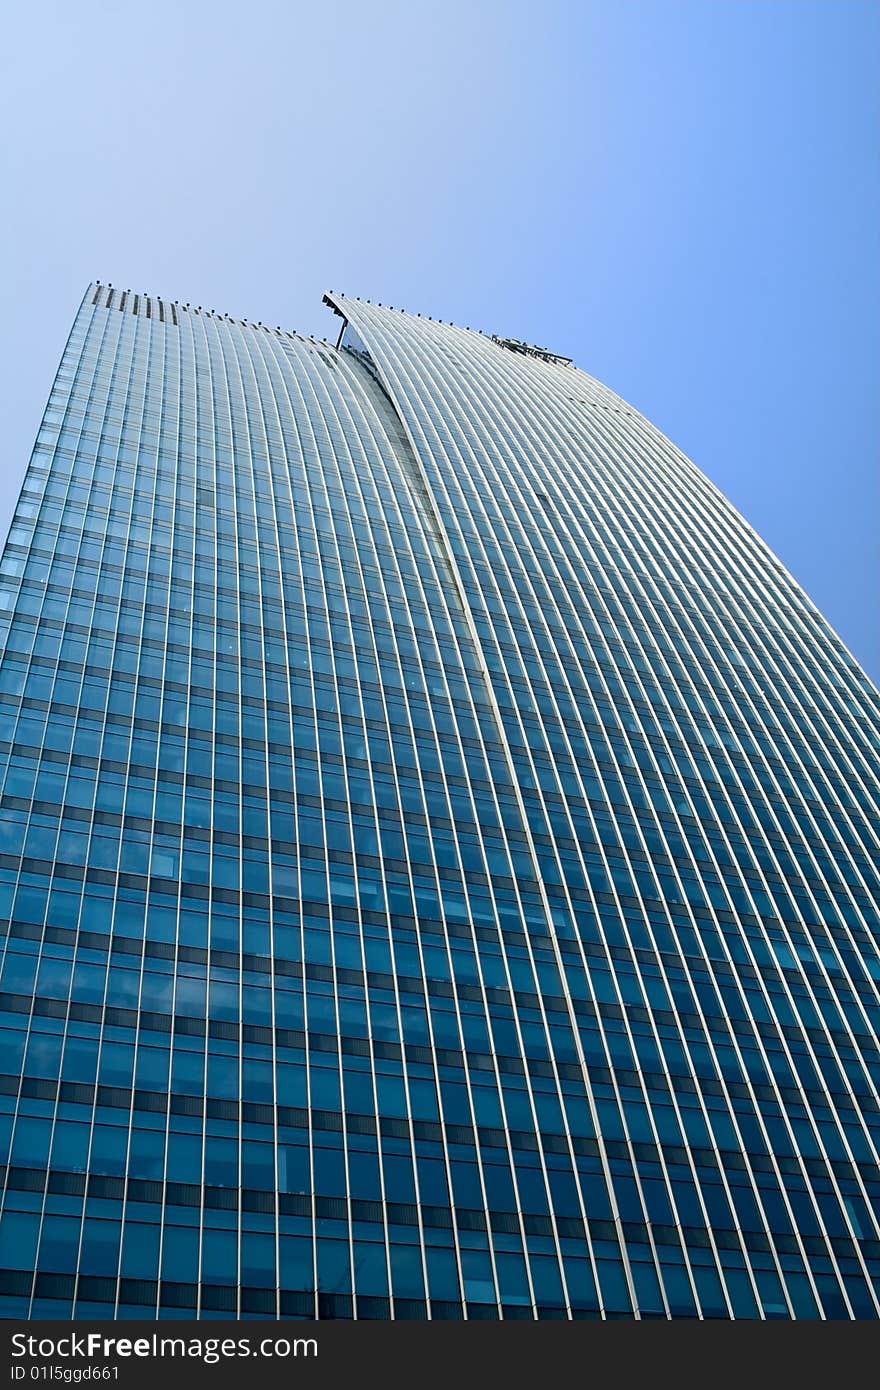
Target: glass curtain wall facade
x,y
438,852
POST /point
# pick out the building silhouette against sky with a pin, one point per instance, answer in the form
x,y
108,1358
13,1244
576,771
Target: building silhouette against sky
x,y
438,850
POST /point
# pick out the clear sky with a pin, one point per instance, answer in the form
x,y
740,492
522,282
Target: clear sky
x,y
683,195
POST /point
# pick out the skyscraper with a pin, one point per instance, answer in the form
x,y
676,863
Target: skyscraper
x,y
437,864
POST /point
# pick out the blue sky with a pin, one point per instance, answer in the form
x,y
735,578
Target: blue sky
x,y
681,194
